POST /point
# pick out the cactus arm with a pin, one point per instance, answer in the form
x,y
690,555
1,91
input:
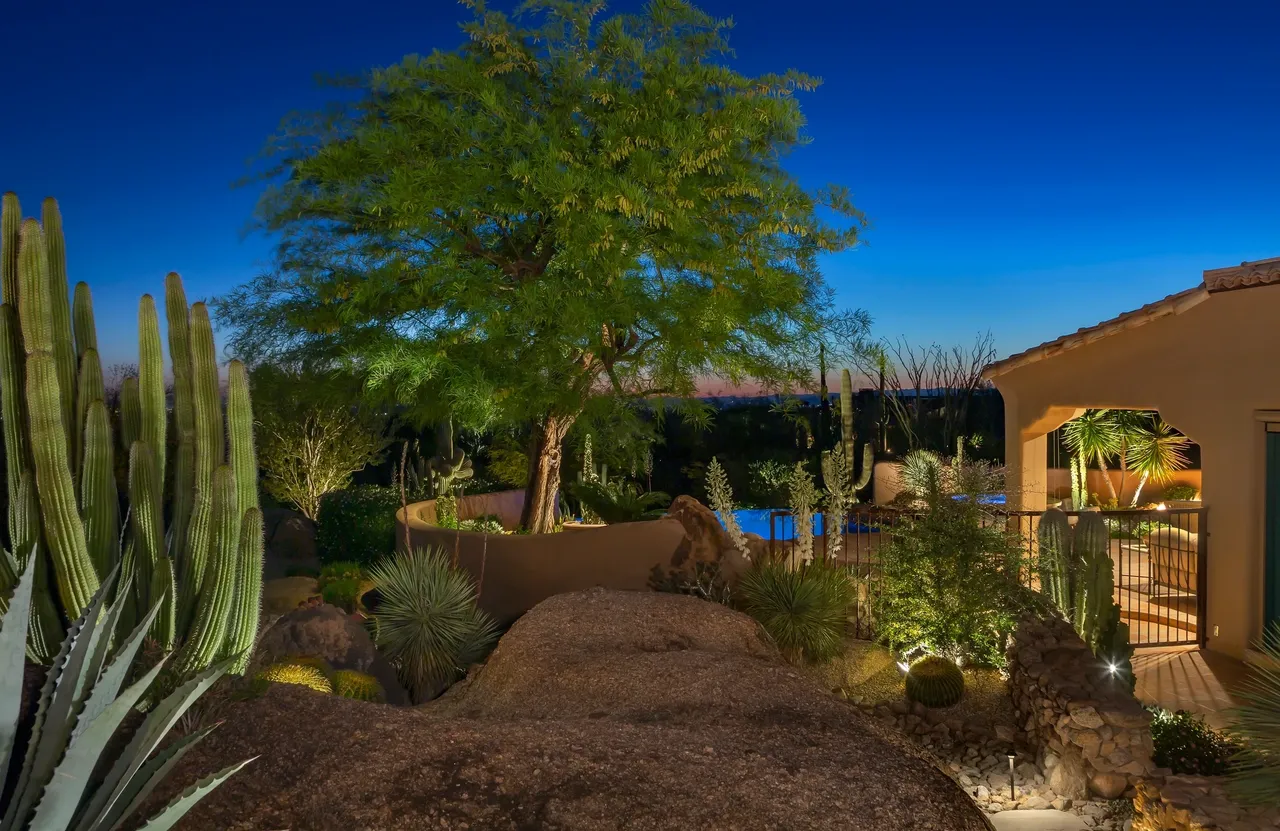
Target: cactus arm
x,y
89,388
248,600
208,633
64,533
244,461
146,526
130,413
82,323
17,453
10,234
64,350
45,634
210,453
178,317
99,502
155,414
846,416
191,568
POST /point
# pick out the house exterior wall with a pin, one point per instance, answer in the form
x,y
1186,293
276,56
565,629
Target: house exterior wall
x,y
1210,371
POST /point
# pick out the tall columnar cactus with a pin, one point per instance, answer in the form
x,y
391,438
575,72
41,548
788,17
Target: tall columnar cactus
x,y
849,441
450,465
202,573
1077,574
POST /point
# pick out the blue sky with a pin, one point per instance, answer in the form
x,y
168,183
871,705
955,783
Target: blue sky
x,y
1028,167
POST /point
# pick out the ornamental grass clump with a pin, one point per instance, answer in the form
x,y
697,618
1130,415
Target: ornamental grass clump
x,y
426,621
1255,779
804,609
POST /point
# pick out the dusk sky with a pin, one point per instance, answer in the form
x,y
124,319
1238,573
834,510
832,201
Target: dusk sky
x,y
1028,167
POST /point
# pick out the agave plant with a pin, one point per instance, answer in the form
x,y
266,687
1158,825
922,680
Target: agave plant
x,y
55,787
624,502
426,621
1255,779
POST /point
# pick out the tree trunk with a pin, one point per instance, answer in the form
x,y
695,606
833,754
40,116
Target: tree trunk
x,y
1106,477
1142,481
543,486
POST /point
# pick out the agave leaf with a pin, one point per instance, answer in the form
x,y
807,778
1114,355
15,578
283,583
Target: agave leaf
x,y
151,774
13,648
184,802
57,807
105,690
8,577
144,741
96,649
54,716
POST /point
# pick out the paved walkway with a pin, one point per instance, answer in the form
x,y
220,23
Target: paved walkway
x,y
1037,821
1189,679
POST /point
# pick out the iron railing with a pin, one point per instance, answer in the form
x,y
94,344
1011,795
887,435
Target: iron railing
x,y
1159,558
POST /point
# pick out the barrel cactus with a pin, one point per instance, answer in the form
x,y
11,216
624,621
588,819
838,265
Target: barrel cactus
x,y
360,686
935,681
199,564
303,676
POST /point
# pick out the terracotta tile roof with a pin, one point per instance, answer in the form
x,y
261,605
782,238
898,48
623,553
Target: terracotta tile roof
x,y
1243,276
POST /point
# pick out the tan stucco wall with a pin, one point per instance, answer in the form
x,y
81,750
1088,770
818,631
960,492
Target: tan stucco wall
x,y
517,571
1209,371
888,484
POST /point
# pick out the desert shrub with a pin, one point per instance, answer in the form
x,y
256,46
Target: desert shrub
x,y
358,524
341,570
343,593
1255,779
803,609
348,683
303,676
1186,745
769,482
447,511
426,620
487,524
508,466
950,581
614,502
1180,493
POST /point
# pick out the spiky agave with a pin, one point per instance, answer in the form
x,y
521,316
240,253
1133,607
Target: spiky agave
x,y
81,708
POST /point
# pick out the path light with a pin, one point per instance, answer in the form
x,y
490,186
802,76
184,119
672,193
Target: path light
x,y
904,666
1013,797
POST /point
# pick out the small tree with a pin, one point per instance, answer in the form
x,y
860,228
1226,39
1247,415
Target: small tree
x,y
309,444
567,205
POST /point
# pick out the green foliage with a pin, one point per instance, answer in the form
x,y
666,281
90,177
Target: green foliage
x,y
61,463
1155,453
487,524
619,501
341,570
950,580
1187,746
358,524
803,609
1181,493
427,622
770,482
76,773
311,441
1256,778
343,593
348,683
508,466
447,511
935,681
619,220
302,676
705,580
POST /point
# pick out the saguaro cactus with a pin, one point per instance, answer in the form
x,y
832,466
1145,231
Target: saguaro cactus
x,y
203,572
849,441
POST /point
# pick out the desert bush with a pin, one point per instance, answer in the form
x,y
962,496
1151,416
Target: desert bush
x,y
803,609
951,575
358,524
487,524
1186,745
427,622
343,593
615,502
1256,775
769,482
341,570
1180,493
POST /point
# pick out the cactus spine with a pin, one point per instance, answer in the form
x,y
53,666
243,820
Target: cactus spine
x,y
59,440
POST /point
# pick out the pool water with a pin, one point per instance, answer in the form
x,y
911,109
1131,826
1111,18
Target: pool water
x,y
756,520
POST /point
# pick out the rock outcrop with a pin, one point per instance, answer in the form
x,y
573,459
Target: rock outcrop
x,y
598,710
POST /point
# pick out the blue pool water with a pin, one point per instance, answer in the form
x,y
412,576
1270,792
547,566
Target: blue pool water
x,y
756,520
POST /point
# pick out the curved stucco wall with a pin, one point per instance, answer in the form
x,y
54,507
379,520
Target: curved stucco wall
x,y
515,572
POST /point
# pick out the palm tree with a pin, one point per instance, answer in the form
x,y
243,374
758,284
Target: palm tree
x,y
1131,424
1156,454
1095,437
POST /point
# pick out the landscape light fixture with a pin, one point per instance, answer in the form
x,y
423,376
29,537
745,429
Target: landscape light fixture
x,y
1013,797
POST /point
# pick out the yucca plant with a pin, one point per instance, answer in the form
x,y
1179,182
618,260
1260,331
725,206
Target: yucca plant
x,y
1156,454
804,610
426,621
1255,777
72,777
619,502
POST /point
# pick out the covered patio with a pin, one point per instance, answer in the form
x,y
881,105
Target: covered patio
x,y
1206,359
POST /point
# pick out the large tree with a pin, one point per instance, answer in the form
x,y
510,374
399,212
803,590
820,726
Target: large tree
x,y
567,205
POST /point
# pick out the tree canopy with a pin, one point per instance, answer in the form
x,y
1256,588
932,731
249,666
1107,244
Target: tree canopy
x,y
567,205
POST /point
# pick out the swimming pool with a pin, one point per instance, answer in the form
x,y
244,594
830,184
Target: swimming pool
x,y
756,520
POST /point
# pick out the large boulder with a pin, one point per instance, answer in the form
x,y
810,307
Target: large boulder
x,y
598,710
704,536
327,632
